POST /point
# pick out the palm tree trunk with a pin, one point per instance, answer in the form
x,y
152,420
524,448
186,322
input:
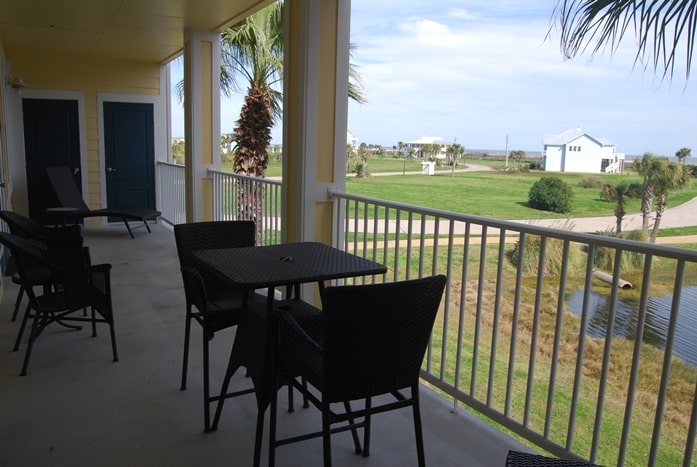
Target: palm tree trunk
x,y
646,199
660,209
619,215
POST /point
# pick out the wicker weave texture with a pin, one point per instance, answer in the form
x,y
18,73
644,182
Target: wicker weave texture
x,y
525,459
375,336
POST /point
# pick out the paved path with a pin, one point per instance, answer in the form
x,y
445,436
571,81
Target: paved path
x,y
684,215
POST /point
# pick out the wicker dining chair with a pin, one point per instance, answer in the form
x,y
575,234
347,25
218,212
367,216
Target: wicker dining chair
x,y
37,275
210,302
77,285
371,341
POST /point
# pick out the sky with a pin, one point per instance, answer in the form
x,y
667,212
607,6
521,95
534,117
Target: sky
x,y
485,72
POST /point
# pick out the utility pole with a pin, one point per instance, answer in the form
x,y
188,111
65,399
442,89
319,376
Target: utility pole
x,y
506,151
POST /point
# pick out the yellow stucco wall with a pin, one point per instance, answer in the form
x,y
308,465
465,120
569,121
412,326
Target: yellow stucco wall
x,y
90,77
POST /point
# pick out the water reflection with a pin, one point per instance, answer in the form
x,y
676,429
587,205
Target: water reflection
x,y
656,323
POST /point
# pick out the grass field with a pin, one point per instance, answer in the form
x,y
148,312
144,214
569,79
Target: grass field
x,y
497,194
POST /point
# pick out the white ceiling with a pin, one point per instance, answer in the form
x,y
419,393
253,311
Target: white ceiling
x,y
143,30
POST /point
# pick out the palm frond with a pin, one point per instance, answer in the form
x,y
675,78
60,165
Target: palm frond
x,y
661,28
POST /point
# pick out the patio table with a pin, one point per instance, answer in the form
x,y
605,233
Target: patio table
x,y
259,267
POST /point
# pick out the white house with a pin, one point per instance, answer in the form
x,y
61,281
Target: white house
x,y
418,146
351,139
576,151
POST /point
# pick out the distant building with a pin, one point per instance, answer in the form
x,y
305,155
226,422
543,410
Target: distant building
x,y
417,146
576,151
351,139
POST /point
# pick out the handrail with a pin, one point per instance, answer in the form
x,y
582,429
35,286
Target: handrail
x,y
506,344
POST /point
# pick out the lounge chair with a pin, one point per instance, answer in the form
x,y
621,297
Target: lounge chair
x,y
69,196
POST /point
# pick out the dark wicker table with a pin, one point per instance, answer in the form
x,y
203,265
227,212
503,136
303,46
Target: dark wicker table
x,y
285,265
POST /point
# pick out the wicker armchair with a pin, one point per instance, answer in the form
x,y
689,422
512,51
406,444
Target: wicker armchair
x,y
371,341
77,285
37,275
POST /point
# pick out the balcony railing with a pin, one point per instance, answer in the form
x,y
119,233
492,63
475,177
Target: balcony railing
x,y
509,344
171,184
234,197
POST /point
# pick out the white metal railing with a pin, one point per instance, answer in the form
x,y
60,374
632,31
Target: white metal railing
x,y
507,346
235,196
238,196
613,167
172,192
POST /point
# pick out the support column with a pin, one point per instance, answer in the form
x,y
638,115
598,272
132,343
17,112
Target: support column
x,y
315,111
201,120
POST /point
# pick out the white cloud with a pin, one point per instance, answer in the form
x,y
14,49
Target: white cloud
x,y
479,72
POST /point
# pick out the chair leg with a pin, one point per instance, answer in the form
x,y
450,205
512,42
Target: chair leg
x,y
354,431
258,437
291,404
94,322
18,302
366,428
22,326
128,227
108,315
206,384
417,426
272,424
187,334
30,344
326,434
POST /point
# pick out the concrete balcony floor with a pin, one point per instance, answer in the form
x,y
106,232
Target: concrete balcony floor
x,y
77,407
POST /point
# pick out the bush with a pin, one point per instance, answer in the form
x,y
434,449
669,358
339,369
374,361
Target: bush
x,y
551,194
592,182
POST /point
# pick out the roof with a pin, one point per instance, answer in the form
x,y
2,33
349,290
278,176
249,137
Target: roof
x,y
429,140
572,135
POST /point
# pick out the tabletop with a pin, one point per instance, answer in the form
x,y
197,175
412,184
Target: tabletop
x,y
288,263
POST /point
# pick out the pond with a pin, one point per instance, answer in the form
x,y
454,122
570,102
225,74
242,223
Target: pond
x,y
656,325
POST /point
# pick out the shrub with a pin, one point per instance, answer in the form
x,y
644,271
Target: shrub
x,y
554,253
631,261
551,194
592,182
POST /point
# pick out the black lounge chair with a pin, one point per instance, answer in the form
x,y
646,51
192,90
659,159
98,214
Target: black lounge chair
x,y
69,196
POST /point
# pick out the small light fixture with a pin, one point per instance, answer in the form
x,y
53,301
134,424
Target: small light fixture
x,y
17,84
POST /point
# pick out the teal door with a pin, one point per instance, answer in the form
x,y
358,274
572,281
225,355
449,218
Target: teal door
x,y
129,156
51,139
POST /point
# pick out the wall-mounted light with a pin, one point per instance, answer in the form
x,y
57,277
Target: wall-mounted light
x,y
17,84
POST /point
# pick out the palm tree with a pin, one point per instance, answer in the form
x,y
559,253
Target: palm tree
x,y
671,177
647,167
517,156
682,153
253,48
620,194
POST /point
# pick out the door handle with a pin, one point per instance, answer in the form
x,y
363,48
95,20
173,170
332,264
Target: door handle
x,y
109,169
76,170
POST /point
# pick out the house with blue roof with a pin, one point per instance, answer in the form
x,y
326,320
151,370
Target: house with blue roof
x,y
576,151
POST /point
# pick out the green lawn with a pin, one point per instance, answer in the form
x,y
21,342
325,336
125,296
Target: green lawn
x,y
497,194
